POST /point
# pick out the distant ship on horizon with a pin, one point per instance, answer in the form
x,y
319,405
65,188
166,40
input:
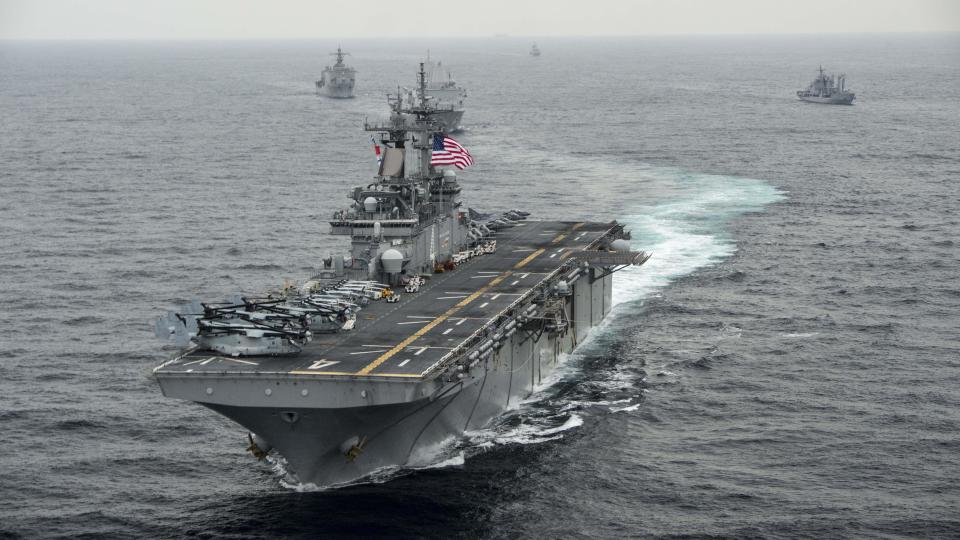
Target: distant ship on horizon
x,y
534,51
827,89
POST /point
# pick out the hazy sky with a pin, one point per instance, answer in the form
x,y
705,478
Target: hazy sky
x,y
252,19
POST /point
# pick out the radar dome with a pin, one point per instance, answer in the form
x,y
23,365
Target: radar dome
x,y
370,204
392,261
448,174
620,245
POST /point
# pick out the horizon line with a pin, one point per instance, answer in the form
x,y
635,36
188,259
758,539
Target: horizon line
x,y
495,36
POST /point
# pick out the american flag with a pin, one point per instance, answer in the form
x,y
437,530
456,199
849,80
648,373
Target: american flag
x,y
376,150
447,151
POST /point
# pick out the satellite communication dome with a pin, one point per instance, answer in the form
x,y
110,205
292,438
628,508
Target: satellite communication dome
x,y
392,261
370,204
620,245
448,174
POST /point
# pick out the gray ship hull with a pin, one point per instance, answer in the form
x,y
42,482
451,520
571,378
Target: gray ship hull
x,y
844,99
340,91
449,120
413,433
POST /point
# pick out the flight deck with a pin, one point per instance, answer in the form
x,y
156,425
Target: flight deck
x,y
407,339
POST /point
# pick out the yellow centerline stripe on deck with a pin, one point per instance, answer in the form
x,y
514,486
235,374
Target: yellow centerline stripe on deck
x,y
531,257
304,372
431,325
350,374
564,235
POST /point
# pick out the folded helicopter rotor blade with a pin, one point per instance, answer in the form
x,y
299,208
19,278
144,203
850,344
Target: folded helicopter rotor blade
x,y
172,321
191,325
161,327
181,336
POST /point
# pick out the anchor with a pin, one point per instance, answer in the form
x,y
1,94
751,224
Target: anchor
x,y
254,448
355,449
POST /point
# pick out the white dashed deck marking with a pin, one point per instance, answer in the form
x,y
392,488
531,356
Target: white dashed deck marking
x,y
239,361
202,361
323,363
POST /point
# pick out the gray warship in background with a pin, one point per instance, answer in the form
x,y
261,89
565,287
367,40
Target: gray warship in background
x,y
443,94
437,320
339,79
827,89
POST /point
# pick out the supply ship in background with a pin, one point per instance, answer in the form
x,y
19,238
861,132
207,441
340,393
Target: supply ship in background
x,y
444,95
827,89
437,320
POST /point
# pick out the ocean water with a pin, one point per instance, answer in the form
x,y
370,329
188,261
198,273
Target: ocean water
x,y
786,365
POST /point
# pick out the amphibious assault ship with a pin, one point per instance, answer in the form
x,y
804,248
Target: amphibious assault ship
x,y
339,79
438,320
827,89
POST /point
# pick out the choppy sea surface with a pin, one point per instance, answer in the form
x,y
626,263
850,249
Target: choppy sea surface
x,y
786,365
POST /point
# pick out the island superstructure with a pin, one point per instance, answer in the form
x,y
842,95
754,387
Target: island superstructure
x,y
438,320
338,80
827,89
